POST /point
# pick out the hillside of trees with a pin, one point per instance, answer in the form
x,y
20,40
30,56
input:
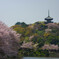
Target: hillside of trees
x,y
29,40
35,36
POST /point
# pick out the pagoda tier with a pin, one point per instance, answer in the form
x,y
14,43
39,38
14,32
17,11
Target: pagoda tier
x,y
48,18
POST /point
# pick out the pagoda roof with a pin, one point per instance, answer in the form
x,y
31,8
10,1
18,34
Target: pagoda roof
x,y
48,18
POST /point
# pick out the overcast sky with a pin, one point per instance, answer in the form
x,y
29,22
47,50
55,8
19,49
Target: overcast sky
x,y
28,11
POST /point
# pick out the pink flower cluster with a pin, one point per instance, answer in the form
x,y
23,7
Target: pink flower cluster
x,y
8,40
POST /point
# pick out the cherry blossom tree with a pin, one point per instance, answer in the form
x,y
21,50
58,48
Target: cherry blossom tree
x,y
9,41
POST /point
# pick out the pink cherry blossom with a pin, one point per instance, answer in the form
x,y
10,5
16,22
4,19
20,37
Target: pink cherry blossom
x,y
9,40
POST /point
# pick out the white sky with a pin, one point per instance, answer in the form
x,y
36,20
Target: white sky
x,y
28,11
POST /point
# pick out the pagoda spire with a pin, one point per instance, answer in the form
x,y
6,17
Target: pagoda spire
x,y
48,13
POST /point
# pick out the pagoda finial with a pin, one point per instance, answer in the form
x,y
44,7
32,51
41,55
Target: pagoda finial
x,y
48,13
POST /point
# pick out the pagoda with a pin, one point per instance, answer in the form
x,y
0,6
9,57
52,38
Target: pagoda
x,y
48,19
